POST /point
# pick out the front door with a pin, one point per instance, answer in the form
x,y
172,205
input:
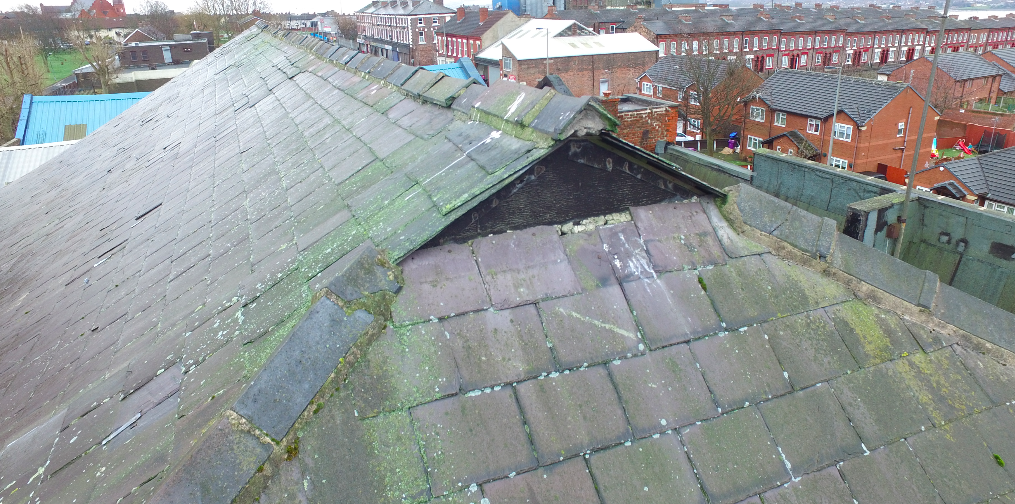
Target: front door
x,y
167,56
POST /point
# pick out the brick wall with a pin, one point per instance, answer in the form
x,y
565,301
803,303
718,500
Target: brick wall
x,y
948,93
582,74
644,127
178,51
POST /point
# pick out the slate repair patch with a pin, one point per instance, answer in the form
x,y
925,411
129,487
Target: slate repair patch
x,y
293,376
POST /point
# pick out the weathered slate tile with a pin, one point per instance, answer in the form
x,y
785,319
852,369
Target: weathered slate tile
x,y
359,273
959,464
796,289
996,379
811,429
626,252
678,236
22,457
570,413
404,367
735,244
889,475
942,385
995,427
451,429
83,434
825,487
292,377
741,291
525,266
809,348
591,327
671,308
439,282
735,456
567,481
760,210
590,263
653,470
740,368
217,470
975,316
873,335
496,347
929,339
880,404
662,390
379,460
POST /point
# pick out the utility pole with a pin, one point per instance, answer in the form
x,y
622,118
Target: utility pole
x,y
919,134
835,111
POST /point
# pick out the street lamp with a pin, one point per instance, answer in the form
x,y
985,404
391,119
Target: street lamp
x,y
547,30
835,111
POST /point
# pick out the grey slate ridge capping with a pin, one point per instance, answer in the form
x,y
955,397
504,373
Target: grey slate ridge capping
x,y
384,69
359,274
356,60
294,375
446,90
420,82
401,74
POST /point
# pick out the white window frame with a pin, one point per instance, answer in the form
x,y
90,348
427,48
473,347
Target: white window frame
x,y
692,97
1000,207
646,88
507,64
843,132
753,142
779,118
693,124
613,28
785,61
757,113
422,37
803,59
813,126
902,129
419,21
435,21
769,61
839,163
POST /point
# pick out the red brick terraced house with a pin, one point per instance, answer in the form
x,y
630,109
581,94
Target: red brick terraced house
x,y
1004,58
471,31
791,112
402,30
962,79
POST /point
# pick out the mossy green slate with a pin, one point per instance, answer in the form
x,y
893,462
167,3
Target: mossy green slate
x,y
942,385
873,335
650,471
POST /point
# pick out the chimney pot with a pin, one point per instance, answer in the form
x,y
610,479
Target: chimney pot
x,y
896,7
484,12
759,6
639,17
460,15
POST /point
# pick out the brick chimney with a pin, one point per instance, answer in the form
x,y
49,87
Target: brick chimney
x,y
974,18
484,13
798,5
897,7
910,15
834,6
685,18
764,15
992,16
594,7
551,11
817,6
639,18
758,6
460,15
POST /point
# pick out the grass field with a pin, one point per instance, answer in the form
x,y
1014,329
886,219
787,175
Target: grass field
x,y
61,64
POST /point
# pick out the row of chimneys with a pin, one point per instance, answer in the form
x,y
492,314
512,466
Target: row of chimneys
x,y
800,5
483,13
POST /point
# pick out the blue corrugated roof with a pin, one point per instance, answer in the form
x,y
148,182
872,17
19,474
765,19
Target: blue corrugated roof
x,y
43,117
462,69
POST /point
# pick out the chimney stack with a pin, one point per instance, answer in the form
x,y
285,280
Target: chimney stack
x,y
758,6
817,6
685,18
461,14
798,5
551,11
484,13
897,7
639,18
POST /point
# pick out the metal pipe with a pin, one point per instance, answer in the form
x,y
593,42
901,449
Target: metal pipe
x,y
919,136
835,111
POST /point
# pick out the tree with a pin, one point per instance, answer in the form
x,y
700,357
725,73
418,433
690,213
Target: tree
x,y
347,27
222,17
20,73
48,31
156,14
717,86
101,53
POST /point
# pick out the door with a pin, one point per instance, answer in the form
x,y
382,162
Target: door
x,y
166,55
604,86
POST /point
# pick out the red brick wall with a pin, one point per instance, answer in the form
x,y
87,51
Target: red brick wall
x,y
868,147
581,74
917,73
645,127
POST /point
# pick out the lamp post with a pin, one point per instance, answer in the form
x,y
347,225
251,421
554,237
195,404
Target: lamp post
x,y
835,111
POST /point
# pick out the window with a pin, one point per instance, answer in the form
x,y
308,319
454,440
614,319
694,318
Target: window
x,y
764,43
792,44
803,59
790,152
144,55
808,42
902,129
419,21
839,163
507,65
694,47
680,95
769,62
646,88
753,143
613,28
133,55
715,45
835,58
662,48
779,118
891,54
725,45
825,44
817,59
843,132
1000,207
813,126
782,45
683,47
422,37
778,148
863,57
673,48
188,49
693,98
757,114
775,40
694,125
785,61
659,90
756,44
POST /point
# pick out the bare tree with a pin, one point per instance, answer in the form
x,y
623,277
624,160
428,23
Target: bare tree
x,y
20,73
223,17
943,97
48,31
156,14
347,27
101,53
717,86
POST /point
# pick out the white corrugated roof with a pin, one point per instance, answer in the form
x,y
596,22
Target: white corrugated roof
x,y
17,161
531,30
562,47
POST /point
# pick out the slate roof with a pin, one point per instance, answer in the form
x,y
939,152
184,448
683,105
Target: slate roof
x,y
805,148
966,65
667,71
154,267
991,175
470,25
812,94
43,118
405,8
1005,55
563,47
554,81
660,354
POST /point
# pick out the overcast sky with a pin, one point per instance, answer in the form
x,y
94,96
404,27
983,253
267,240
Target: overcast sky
x,y
294,6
